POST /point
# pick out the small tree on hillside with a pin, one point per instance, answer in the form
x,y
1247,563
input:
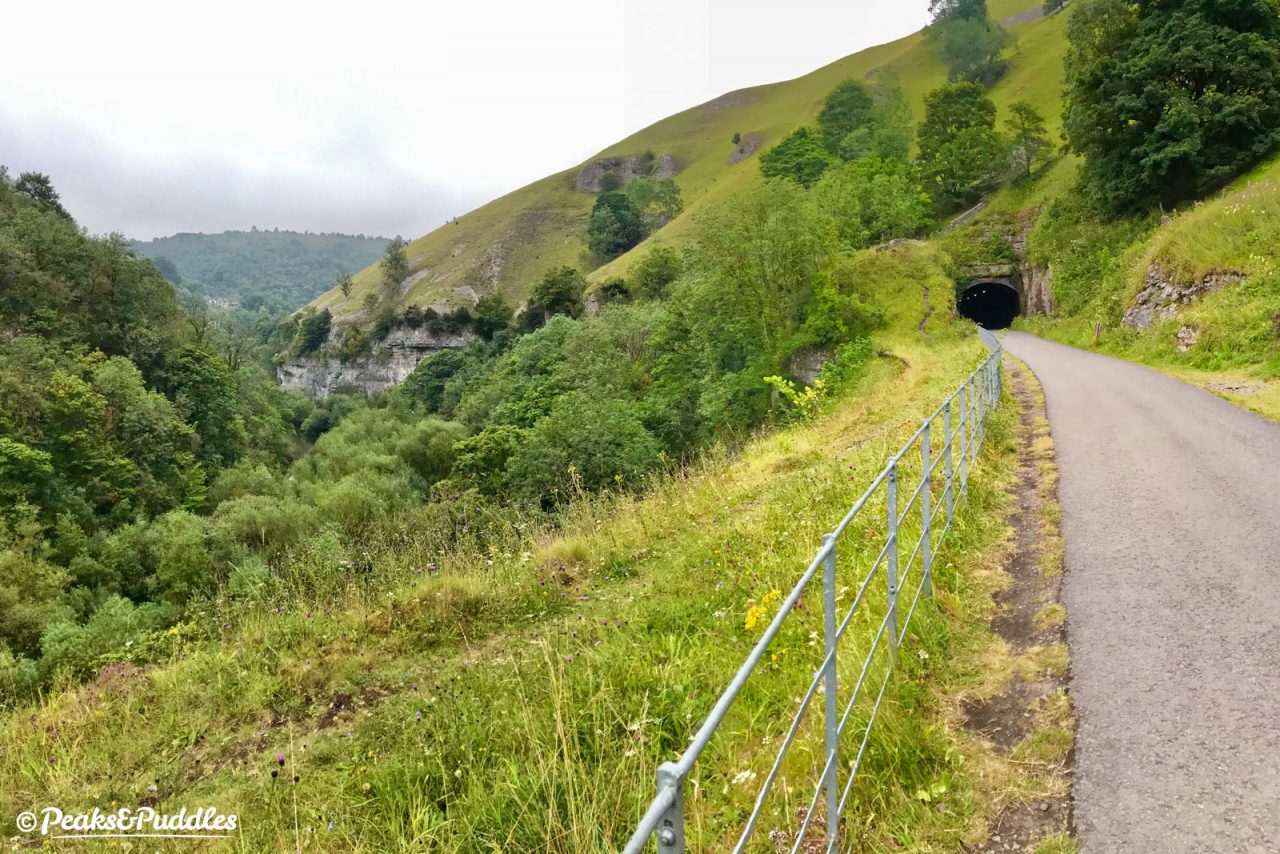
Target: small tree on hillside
x,y
847,110
953,10
344,285
615,225
491,316
395,268
559,292
801,157
1028,137
971,49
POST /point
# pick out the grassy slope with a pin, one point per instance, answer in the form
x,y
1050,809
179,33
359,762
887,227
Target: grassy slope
x,y
542,226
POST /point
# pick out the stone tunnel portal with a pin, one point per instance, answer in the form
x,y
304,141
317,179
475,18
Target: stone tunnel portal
x,y
991,305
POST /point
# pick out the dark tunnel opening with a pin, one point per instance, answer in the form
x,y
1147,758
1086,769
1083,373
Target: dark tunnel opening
x,y
991,305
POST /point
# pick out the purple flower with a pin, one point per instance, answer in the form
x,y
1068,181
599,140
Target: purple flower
x,y
331,825
280,758
419,715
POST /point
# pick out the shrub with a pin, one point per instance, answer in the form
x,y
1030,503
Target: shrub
x,y
584,442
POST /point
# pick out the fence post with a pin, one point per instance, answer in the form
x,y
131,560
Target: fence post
x,y
671,827
891,558
832,710
973,428
946,448
926,510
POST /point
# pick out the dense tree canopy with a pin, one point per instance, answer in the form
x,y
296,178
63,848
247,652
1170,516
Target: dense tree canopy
x,y
960,152
1168,100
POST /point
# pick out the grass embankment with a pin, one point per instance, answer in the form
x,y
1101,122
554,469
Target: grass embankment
x,y
1230,341
516,694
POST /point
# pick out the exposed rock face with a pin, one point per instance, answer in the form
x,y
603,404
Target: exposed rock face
x,y
1038,290
747,146
806,363
1161,298
1187,337
591,179
390,362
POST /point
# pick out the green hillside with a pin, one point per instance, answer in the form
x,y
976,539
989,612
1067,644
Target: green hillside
x,y
506,245
280,269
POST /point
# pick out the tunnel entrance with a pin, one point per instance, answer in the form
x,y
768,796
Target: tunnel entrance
x,y
991,305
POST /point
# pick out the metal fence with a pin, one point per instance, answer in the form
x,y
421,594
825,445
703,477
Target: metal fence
x,y
914,524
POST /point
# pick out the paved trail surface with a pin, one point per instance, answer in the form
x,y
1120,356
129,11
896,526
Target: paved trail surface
x,y
1171,516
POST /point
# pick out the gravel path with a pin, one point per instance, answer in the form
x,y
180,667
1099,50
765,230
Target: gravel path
x,y
1171,516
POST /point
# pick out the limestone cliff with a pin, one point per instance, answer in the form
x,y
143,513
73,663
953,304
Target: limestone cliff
x,y
386,365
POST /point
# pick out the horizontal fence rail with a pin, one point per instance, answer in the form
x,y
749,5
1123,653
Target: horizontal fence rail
x,y
919,490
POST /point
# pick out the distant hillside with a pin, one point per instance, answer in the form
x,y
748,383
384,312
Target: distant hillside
x,y
280,269
509,243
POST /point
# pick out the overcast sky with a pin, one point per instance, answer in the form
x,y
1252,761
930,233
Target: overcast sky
x,y
374,116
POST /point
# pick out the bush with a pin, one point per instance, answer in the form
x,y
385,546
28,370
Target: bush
x,y
654,273
801,157
79,650
269,525
585,442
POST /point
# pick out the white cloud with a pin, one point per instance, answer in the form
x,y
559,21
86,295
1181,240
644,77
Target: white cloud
x,y
156,116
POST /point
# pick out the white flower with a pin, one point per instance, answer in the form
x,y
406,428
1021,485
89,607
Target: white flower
x,y
743,777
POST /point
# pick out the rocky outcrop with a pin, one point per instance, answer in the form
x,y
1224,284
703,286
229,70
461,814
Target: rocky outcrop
x,y
387,365
626,169
1161,297
748,145
806,363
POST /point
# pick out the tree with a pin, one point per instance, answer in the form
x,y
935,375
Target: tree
x,y
655,272
38,186
959,147
1168,101
657,200
873,200
344,284
848,109
585,442
952,10
1028,136
492,315
395,269
559,292
801,157
1051,6
970,48
313,331
204,395
615,225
